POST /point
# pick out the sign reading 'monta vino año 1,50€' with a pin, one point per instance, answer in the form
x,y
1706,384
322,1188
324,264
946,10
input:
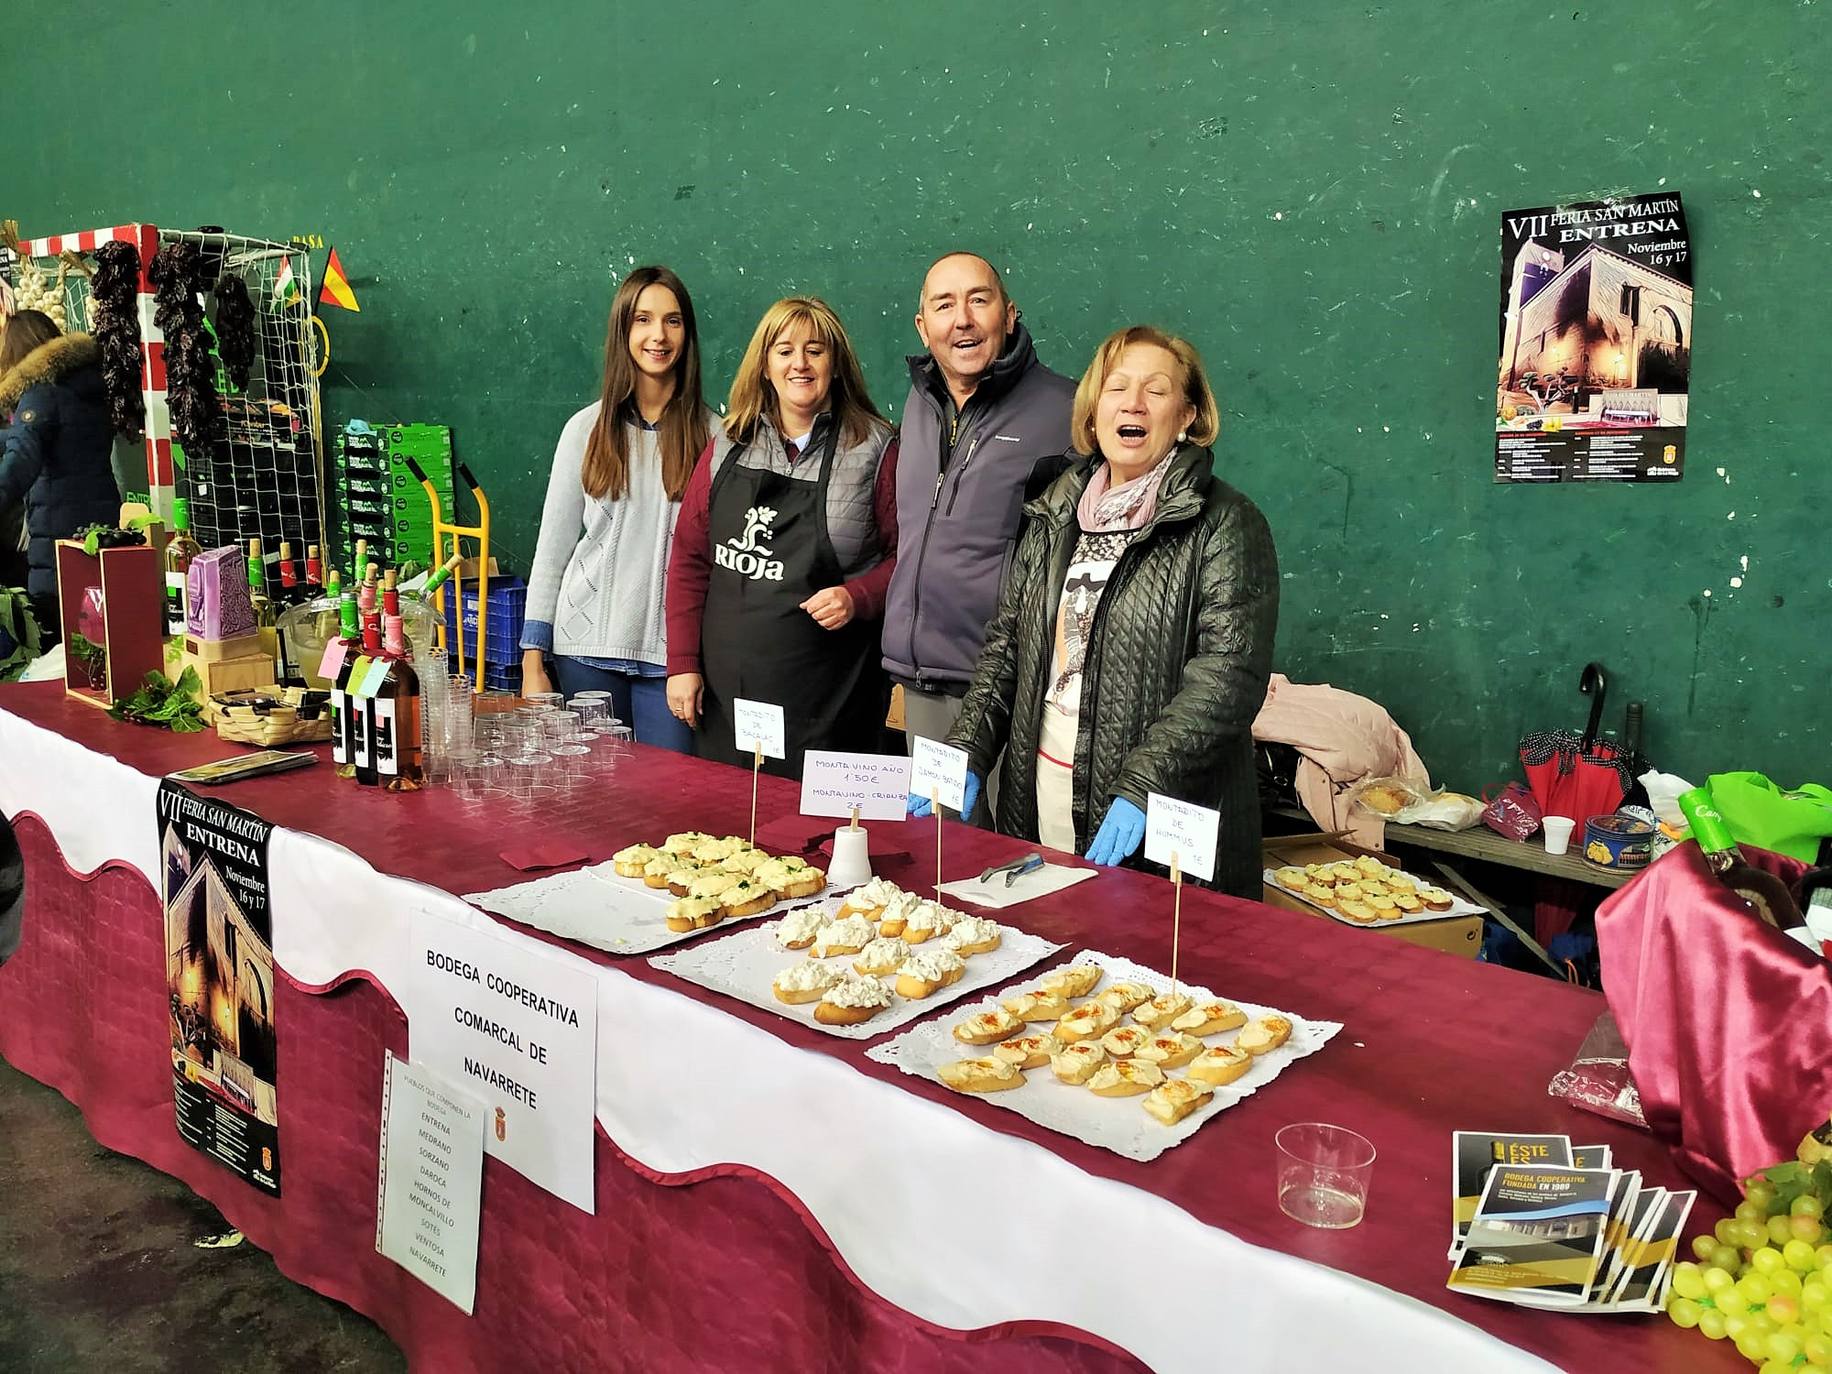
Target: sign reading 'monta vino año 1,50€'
x,y
517,1029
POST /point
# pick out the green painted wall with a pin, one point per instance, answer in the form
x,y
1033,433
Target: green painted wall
x,y
1309,190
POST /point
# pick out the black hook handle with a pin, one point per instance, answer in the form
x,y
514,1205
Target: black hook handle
x,y
1595,685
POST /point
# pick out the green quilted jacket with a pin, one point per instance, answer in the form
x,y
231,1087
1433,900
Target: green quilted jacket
x,y
1176,673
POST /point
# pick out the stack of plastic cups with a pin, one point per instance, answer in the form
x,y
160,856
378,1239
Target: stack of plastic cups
x,y
458,716
435,708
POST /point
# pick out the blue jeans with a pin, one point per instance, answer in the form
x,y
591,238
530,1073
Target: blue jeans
x,y
641,702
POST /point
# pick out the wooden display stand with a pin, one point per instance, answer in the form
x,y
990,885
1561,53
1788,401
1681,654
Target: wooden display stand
x,y
216,601
241,673
197,649
129,583
1460,935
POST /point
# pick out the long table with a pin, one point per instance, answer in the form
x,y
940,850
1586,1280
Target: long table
x,y
768,1197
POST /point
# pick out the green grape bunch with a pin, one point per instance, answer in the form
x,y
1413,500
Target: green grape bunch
x,y
1762,1277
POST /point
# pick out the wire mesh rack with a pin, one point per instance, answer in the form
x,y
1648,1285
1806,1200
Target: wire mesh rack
x,y
260,469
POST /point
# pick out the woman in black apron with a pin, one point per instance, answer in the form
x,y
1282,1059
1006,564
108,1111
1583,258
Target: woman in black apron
x,y
784,549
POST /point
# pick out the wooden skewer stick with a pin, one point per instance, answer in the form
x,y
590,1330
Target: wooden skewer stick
x,y
935,806
1176,920
756,768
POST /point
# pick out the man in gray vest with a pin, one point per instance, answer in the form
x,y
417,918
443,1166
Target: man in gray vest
x,y
984,429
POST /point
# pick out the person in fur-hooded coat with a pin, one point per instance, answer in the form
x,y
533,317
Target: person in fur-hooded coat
x,y
54,455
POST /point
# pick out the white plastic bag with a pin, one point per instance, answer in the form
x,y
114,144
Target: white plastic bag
x,y
1663,796
1409,803
1443,811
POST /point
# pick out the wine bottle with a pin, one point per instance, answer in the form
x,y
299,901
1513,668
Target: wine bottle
x,y
398,716
360,564
366,594
267,615
365,757
343,714
391,598
314,574
289,575
442,575
257,585
1766,895
179,551
1637,794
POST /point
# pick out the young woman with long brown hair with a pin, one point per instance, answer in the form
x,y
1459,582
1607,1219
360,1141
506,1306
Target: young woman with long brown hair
x,y
621,466
785,548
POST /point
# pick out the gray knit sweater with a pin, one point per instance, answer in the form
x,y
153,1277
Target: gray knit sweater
x,y
600,565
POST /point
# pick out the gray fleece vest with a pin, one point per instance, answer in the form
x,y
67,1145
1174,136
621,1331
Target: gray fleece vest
x,y
851,523
956,522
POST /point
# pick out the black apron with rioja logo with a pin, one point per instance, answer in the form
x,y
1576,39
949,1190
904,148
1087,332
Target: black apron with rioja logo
x,y
770,551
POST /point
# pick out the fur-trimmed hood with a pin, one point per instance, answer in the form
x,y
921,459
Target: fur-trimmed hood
x,y
47,363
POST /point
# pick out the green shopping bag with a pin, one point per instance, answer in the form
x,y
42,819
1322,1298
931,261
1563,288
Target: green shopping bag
x,y
1762,814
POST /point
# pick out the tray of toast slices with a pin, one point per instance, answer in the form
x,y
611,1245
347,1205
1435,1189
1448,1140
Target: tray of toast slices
x,y
860,965
1367,892
648,897
1109,1052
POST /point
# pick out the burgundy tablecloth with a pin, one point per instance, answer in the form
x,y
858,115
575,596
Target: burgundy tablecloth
x,y
1431,1044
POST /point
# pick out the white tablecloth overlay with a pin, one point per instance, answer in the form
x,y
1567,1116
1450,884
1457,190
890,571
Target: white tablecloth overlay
x,y
982,1243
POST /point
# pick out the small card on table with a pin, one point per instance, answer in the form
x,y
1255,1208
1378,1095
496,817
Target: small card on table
x,y
758,726
833,784
1184,829
938,772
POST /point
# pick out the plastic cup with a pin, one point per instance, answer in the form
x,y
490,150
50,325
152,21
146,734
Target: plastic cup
x,y
1558,833
570,763
558,727
592,711
530,778
478,777
546,700
1324,1172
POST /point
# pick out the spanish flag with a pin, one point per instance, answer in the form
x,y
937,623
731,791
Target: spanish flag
x,y
337,286
285,288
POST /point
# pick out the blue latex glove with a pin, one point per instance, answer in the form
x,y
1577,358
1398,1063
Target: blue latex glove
x,y
970,793
1120,834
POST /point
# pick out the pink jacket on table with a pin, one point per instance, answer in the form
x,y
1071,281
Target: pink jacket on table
x,y
1342,738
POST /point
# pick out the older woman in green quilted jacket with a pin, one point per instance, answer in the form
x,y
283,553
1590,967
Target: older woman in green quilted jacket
x,y
1131,646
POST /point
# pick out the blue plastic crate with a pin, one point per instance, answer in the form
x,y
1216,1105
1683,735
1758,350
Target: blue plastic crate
x,y
497,678
508,609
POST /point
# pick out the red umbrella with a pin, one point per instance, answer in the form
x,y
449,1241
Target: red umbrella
x,y
1574,775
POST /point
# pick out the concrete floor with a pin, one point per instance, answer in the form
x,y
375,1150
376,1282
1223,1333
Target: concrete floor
x,y
98,1270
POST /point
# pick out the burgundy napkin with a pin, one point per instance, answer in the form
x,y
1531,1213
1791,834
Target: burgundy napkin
x,y
795,834
543,854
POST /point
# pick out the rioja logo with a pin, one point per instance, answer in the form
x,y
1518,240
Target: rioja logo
x,y
747,554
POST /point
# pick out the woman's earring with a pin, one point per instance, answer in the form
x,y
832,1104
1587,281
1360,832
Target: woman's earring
x,y
1183,436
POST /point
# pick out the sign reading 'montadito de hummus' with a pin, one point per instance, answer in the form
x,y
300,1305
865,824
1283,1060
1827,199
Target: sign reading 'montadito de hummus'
x,y
519,1030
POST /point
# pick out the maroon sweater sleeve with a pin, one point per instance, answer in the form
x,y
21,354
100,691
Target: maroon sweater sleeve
x,y
689,569
869,588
